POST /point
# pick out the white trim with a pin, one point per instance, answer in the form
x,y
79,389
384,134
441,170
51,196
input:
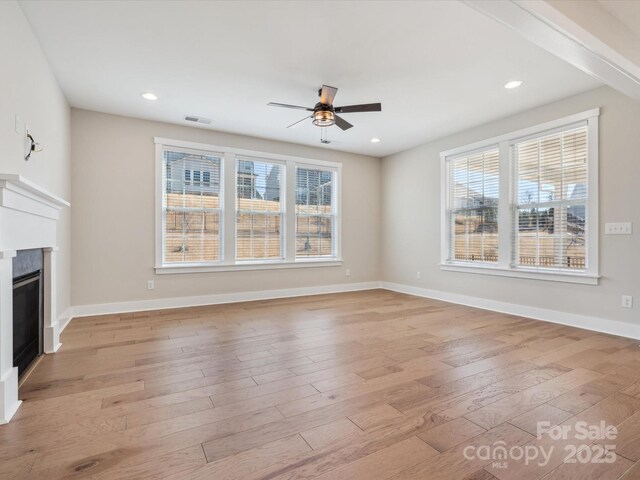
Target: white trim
x,y
540,274
523,132
216,299
9,402
65,318
593,202
244,266
506,206
42,195
167,142
596,324
228,213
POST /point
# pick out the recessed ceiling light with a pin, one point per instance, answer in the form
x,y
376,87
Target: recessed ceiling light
x,y
513,84
149,96
375,140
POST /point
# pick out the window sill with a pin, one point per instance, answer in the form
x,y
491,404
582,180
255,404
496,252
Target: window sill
x,y
551,276
247,266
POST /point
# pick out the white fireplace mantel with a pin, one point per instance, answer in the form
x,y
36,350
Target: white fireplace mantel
x,y
28,219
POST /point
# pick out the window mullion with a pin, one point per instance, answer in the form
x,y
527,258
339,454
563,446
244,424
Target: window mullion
x,y
290,212
505,208
229,210
591,224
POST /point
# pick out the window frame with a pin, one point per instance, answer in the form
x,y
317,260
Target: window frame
x,y
188,181
228,181
507,204
334,204
282,211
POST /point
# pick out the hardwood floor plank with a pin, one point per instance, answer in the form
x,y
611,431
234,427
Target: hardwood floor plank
x,y
324,435
450,434
384,463
360,385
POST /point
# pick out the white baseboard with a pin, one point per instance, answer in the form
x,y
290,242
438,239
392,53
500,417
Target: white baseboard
x,y
613,327
9,402
215,299
603,325
65,318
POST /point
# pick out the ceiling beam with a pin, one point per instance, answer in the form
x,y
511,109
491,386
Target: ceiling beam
x,y
542,24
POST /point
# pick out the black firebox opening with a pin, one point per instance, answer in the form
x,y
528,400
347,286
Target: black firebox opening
x,y
27,319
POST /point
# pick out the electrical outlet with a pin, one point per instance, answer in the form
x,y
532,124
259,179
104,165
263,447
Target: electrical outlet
x,y
627,301
617,228
418,275
347,273
151,285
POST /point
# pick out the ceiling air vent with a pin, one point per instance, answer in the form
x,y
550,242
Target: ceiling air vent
x,y
192,118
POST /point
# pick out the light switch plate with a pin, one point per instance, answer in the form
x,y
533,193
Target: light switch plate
x,y
617,228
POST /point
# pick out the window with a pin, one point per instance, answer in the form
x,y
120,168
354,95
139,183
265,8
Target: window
x,y
191,213
525,204
259,210
551,200
229,209
473,216
315,213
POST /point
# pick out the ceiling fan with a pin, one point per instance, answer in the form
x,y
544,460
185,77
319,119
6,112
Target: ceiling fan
x,y
324,114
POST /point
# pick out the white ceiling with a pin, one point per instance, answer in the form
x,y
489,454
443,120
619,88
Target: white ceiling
x,y
437,67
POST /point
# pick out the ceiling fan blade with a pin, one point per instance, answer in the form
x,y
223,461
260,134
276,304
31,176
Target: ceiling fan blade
x,y
366,107
284,105
342,123
327,94
295,124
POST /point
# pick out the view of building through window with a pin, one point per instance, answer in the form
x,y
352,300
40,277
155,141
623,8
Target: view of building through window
x,y
259,211
191,207
315,213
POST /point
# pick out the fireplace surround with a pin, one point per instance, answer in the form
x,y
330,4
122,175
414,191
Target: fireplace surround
x,y
28,220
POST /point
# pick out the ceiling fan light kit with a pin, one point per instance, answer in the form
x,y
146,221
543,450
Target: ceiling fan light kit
x,y
323,118
324,114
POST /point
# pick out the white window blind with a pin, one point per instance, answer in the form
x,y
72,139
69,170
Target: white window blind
x,y
473,191
191,209
551,200
259,210
315,212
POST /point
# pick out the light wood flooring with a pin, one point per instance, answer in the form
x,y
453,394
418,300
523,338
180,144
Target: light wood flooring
x,y
368,385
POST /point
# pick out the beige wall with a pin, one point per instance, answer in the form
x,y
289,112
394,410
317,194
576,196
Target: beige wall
x,y
29,89
113,214
411,215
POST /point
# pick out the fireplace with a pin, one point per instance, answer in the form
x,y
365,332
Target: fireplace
x,y
30,322
28,311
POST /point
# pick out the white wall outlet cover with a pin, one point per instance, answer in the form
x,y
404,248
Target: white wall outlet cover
x,y
623,228
627,301
151,285
347,273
